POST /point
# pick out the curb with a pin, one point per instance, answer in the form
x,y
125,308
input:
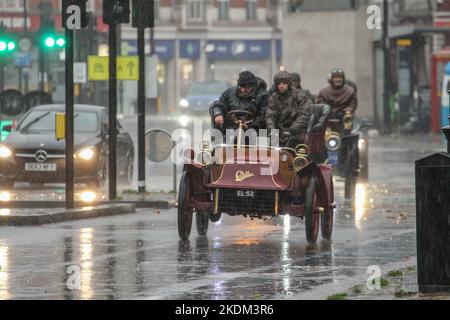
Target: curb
x,y
68,215
18,204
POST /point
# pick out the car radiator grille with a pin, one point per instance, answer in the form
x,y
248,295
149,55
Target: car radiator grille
x,y
262,203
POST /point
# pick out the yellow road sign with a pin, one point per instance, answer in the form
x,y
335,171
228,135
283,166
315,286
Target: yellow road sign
x,y
60,126
127,68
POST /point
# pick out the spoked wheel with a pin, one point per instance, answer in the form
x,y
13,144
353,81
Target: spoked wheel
x,y
184,207
312,215
202,222
326,219
350,174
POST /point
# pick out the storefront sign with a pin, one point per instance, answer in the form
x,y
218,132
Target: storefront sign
x,y
190,49
239,49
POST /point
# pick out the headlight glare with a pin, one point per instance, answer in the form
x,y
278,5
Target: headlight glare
x,y
5,152
86,154
184,103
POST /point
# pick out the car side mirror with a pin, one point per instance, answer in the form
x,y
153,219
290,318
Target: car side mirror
x,y
7,128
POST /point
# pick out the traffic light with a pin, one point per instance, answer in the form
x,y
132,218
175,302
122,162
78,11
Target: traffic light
x,y
143,13
53,41
117,11
7,43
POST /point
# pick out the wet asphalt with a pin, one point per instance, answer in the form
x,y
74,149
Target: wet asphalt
x,y
141,257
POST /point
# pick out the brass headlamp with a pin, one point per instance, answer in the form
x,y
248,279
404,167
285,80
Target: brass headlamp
x,y
333,140
348,120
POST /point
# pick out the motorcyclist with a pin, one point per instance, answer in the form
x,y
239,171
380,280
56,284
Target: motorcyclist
x,y
339,95
288,111
249,94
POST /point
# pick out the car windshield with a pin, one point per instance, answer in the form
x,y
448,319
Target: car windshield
x,y
44,121
214,88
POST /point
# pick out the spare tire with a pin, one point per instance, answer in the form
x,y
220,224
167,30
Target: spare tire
x,y
36,98
11,102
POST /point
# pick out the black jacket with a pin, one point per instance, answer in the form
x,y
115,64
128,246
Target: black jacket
x,y
256,103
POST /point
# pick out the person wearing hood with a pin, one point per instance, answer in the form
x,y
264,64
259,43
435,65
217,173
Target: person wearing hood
x,y
297,83
288,111
339,94
250,94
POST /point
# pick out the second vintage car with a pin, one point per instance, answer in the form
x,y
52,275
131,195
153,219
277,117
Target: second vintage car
x,y
32,154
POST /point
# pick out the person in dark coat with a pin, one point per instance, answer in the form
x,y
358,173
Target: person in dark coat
x,y
250,94
339,94
288,111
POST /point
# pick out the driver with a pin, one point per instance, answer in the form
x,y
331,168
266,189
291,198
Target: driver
x,y
342,97
288,111
249,95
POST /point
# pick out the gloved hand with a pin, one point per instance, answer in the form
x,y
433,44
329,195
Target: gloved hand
x,y
285,135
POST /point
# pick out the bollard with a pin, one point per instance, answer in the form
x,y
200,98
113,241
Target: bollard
x,y
433,221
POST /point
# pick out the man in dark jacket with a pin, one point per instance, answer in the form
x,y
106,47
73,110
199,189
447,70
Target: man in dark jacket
x,y
288,111
250,95
297,83
341,96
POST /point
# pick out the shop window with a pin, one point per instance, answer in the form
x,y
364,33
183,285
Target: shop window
x,y
188,71
250,6
11,5
224,9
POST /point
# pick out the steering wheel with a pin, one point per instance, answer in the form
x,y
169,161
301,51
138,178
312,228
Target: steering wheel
x,y
241,117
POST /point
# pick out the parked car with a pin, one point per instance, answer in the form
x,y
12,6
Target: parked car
x,y
200,95
31,152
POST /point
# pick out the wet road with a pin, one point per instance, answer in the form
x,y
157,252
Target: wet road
x,y
140,257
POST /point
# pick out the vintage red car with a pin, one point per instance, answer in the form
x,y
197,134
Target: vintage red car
x,y
240,185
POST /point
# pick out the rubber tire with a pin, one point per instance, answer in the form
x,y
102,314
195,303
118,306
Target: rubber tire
x,y
7,184
312,219
100,182
202,223
326,218
127,177
185,212
364,163
350,176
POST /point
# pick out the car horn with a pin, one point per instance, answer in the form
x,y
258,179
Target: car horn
x,y
301,160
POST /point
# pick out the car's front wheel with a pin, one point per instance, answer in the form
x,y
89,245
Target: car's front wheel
x,y
100,179
185,210
312,216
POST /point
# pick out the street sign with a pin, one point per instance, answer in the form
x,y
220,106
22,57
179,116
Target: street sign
x,y
127,68
22,59
79,72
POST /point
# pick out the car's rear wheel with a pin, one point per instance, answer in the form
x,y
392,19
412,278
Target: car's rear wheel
x,y
202,222
326,218
350,172
185,210
311,214
364,162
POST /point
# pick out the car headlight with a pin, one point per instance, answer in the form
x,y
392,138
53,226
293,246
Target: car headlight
x,y
5,152
86,153
184,103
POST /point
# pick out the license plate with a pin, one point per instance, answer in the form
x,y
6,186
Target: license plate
x,y
245,193
332,158
40,166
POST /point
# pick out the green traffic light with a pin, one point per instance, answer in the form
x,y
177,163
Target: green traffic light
x,y
49,42
7,45
11,46
60,42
